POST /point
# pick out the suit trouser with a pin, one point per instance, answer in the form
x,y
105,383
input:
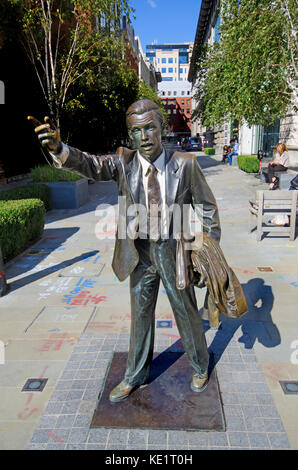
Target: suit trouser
x,y
273,168
157,261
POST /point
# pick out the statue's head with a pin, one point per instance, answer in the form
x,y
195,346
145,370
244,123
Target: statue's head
x,y
145,124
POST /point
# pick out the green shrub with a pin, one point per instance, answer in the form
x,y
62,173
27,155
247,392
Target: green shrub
x,y
29,191
248,163
51,174
21,222
209,151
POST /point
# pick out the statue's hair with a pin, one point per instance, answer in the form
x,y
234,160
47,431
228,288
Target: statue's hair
x,y
144,106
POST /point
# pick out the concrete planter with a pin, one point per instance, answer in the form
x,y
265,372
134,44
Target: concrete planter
x,y
68,194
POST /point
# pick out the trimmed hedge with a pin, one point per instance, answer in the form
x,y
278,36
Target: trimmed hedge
x,y
51,174
248,163
21,222
209,151
29,191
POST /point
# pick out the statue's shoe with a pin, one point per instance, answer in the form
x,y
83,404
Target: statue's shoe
x,y
122,391
199,382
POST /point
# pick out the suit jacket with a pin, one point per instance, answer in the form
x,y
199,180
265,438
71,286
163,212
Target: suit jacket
x,y
214,272
185,184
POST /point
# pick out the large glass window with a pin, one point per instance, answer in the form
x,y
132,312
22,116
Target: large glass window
x,y
163,61
170,60
163,70
170,70
183,59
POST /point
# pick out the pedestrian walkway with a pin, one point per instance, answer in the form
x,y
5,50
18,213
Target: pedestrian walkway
x,y
66,313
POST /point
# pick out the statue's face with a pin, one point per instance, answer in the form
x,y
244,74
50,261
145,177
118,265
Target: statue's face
x,y
144,131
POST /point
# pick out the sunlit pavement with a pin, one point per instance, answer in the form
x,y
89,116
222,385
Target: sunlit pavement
x,y
66,313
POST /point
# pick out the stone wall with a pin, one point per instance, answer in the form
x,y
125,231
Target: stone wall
x,y
289,135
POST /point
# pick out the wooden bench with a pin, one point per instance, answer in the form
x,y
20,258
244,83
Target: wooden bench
x,y
273,203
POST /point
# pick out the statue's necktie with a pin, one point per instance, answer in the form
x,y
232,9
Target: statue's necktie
x,y
154,204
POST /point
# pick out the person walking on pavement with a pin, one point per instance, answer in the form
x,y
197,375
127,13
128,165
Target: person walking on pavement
x,y
151,176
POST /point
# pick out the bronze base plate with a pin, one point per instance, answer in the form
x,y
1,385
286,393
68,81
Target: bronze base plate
x,y
167,402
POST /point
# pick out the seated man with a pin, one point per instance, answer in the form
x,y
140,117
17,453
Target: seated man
x,y
234,146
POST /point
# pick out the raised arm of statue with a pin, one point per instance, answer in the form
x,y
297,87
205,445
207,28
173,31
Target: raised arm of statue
x,y
48,136
99,168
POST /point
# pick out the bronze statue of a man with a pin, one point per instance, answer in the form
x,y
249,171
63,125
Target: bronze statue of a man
x,y
149,175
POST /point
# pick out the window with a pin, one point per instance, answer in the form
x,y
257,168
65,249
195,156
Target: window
x,y
169,102
163,70
183,59
188,93
163,61
175,93
182,94
167,79
169,111
174,111
170,70
180,70
182,102
169,93
158,61
170,60
188,111
163,93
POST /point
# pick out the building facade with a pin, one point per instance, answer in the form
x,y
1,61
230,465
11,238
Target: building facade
x,y
177,100
251,139
171,60
136,57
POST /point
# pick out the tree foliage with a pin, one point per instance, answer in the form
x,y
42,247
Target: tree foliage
x,y
251,73
67,41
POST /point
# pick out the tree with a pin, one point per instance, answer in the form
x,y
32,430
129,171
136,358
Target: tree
x,y
67,41
251,73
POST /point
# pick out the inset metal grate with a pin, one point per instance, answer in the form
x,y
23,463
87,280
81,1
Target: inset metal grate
x,y
34,385
289,388
164,324
265,269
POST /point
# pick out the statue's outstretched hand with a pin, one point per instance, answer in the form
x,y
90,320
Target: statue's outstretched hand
x,y
47,134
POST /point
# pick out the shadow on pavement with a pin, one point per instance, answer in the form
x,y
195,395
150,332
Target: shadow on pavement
x,y
45,272
51,242
256,324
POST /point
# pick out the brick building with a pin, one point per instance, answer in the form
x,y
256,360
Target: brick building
x,y
177,100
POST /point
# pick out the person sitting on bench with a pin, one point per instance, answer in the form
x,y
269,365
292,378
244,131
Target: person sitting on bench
x,y
280,163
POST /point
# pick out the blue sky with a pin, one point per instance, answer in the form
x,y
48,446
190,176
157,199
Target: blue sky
x,y
165,21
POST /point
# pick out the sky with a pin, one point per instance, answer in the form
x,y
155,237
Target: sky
x,y
165,21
